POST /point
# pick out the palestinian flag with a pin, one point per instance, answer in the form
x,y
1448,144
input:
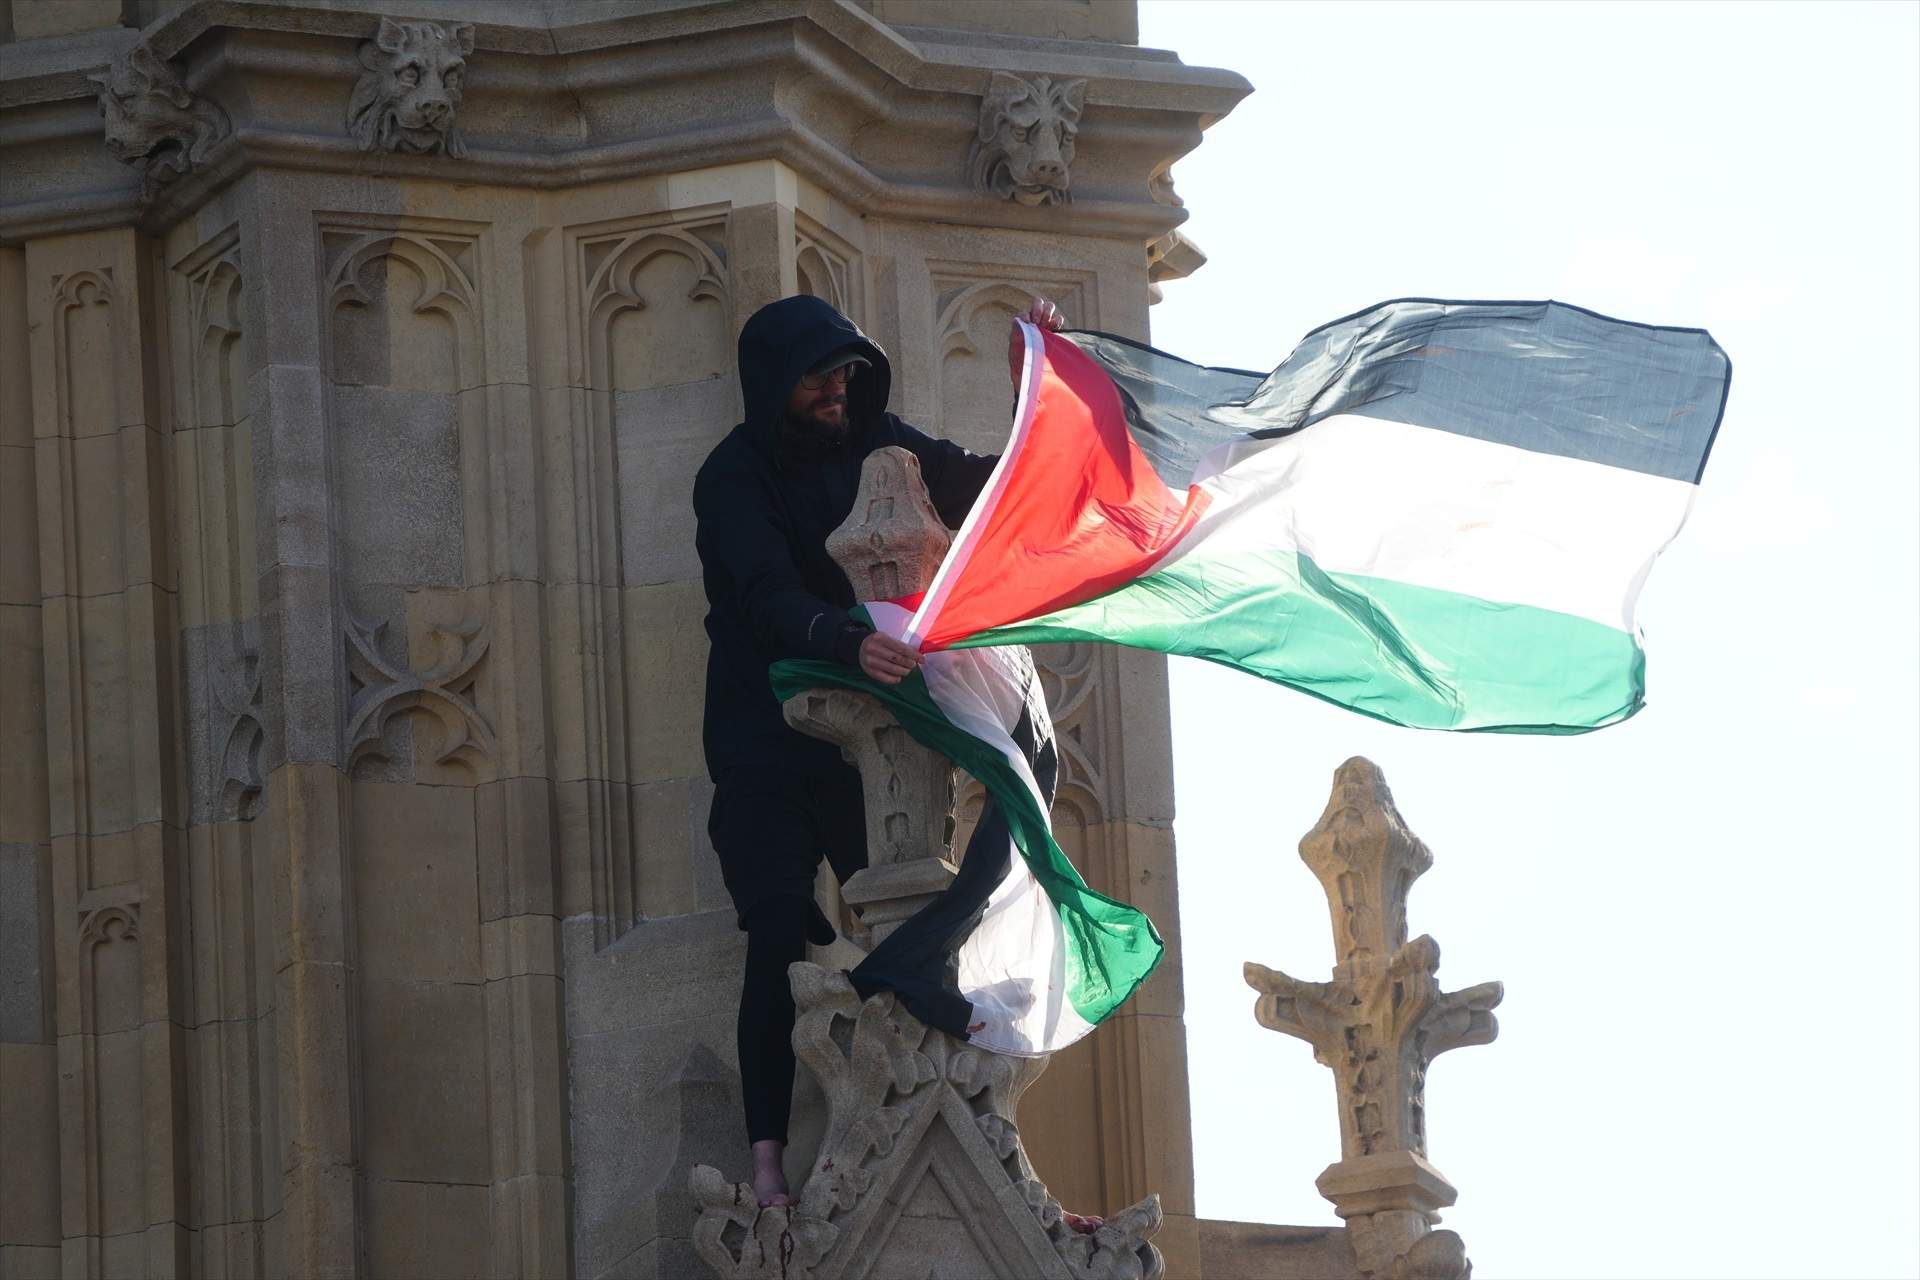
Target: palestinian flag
x,y
1017,954
1436,513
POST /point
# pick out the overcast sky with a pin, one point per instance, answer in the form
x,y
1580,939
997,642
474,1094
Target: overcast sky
x,y
1705,917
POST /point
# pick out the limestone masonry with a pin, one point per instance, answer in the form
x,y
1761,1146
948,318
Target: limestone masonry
x,y
357,916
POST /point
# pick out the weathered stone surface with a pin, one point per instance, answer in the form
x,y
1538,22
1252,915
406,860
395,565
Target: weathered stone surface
x,y
921,1164
23,726
408,433
29,1146
650,1027
1378,1024
19,526
666,656
1262,1251
426,1231
397,454
893,541
30,1262
24,960
224,719
1113,20
413,861
663,434
303,679
514,821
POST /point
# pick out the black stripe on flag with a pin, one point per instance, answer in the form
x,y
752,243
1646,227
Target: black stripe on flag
x,y
1543,376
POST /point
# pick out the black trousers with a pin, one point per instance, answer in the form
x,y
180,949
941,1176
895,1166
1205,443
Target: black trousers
x,y
776,938
771,827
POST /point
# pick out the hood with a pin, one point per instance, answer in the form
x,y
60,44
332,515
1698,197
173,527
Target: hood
x,y
784,339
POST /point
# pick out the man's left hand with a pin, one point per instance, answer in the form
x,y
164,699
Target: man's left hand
x,y
1042,315
886,659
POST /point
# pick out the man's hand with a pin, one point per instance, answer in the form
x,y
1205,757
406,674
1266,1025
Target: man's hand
x,y
886,659
1042,315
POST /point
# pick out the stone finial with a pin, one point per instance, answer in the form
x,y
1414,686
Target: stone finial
x,y
920,1128
892,542
410,88
153,122
890,545
1023,148
1378,1024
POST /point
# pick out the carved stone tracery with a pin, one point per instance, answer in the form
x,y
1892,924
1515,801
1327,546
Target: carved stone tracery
x,y
905,1104
382,689
239,749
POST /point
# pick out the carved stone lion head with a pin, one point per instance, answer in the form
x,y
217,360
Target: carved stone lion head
x,y
406,97
1024,148
152,121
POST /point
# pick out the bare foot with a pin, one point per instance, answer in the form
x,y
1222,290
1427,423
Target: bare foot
x,y
1085,1223
769,1178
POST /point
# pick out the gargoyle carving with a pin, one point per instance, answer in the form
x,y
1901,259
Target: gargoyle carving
x,y
1023,150
406,97
153,122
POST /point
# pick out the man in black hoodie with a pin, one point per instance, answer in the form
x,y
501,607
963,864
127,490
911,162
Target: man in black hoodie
x,y
815,394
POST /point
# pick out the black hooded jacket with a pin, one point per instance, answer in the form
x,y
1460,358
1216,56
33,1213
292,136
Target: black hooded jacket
x,y
765,500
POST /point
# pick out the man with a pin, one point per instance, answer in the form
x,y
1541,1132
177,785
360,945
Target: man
x,y
815,394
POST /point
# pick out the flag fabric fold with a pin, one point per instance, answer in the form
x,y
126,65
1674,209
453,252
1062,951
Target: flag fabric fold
x,y
1439,514
1017,955
1436,513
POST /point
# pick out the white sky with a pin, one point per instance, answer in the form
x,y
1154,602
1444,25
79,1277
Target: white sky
x,y
1705,917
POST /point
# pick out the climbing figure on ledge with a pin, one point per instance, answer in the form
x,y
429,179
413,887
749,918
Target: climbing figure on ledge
x,y
814,390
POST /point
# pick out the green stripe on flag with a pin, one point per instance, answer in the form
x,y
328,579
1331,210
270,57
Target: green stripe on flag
x,y
1111,947
1416,656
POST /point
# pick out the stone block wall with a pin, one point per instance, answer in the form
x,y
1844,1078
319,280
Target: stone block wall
x,y
356,910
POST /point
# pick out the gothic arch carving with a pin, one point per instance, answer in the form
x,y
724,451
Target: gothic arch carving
x,y
217,327
110,960
75,297
613,285
958,310
446,287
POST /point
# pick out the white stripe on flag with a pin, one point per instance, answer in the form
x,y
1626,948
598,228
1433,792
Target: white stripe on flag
x,y
1012,966
1434,509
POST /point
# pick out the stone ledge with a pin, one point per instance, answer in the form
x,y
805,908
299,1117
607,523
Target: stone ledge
x,y
820,85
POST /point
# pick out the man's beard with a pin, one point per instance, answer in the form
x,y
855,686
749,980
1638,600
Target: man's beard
x,y
812,426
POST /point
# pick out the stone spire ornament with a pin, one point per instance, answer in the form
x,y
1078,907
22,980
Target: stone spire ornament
x,y
1378,1024
921,1171
890,545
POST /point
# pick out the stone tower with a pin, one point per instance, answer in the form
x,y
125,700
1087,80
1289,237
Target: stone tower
x,y
356,915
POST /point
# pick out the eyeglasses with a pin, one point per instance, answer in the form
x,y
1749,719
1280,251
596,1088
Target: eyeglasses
x,y
815,381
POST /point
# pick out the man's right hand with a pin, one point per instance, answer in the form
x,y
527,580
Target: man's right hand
x,y
886,659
